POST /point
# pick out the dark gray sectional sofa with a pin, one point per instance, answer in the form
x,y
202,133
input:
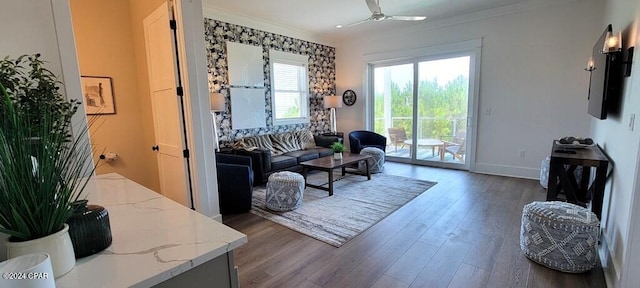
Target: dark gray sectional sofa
x,y
283,152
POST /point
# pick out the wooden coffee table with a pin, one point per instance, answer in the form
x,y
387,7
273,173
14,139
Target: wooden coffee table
x,y
327,164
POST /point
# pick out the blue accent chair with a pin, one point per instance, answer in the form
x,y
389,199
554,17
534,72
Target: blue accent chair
x,y
362,139
235,183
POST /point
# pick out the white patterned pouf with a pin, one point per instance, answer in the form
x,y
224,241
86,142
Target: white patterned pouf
x,y
560,235
284,191
376,164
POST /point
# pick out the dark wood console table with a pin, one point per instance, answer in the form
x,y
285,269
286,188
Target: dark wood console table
x,y
564,162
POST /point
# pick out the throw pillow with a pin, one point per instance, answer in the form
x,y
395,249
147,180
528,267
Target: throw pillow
x,y
305,137
240,145
262,142
285,142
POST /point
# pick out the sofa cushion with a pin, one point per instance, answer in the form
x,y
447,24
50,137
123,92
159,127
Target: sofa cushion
x,y
303,155
284,142
262,142
282,162
323,152
306,139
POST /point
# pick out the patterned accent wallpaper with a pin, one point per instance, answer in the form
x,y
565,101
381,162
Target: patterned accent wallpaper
x,y
322,76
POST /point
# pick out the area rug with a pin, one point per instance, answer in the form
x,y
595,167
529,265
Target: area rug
x,y
356,205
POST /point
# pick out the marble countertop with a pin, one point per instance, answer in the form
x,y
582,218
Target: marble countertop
x,y
154,238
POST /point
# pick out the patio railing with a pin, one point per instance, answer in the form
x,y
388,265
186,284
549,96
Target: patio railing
x,y
428,127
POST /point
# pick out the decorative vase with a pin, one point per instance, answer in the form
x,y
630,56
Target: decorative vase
x,y
58,245
89,229
35,267
337,156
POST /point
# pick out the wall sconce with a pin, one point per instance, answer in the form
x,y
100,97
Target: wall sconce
x,y
612,43
591,65
217,104
333,102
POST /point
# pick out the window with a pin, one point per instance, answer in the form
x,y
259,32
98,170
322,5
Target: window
x,y
289,88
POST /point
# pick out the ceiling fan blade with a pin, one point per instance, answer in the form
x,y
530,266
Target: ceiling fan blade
x,y
356,23
407,18
373,6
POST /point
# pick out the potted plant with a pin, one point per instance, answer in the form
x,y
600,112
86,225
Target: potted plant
x,y
337,148
43,167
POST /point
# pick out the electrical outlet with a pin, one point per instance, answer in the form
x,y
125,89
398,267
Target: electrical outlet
x,y
632,119
522,153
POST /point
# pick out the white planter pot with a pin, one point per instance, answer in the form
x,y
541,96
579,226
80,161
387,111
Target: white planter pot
x,y
27,271
337,156
57,245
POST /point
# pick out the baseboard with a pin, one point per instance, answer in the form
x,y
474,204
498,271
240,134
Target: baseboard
x,y
609,268
511,171
217,218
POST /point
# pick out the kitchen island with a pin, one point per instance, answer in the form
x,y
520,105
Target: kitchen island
x,y
156,242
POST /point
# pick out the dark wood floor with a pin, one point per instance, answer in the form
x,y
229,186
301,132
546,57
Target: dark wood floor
x,y
463,232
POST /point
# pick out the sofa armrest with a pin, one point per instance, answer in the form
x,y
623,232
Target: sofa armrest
x,y
235,187
261,163
233,159
325,141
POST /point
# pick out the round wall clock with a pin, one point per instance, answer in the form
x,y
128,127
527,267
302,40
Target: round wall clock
x,y
349,97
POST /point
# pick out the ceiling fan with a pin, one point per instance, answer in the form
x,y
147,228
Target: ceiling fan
x,y
377,15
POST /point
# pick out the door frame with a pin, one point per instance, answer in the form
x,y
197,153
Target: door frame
x,y
192,57
472,48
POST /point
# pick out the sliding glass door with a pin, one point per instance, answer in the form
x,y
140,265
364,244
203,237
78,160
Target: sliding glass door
x,y
393,107
422,107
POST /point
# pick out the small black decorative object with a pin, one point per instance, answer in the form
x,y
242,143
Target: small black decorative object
x,y
349,97
89,229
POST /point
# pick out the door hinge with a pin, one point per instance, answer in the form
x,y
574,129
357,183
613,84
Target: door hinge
x,y
179,91
172,24
185,153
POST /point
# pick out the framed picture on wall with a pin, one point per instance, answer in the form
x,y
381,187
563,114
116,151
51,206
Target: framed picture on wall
x,y
97,95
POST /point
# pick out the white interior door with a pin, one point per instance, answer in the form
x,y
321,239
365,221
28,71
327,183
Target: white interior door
x,y
165,103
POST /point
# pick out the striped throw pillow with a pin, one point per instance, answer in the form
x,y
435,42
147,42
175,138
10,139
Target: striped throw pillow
x,y
305,137
285,142
262,142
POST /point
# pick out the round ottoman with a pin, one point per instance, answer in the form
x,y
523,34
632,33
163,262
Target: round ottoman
x,y
376,164
284,191
560,235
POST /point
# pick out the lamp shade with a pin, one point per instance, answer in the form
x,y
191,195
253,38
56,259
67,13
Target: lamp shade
x,y
217,101
332,101
613,42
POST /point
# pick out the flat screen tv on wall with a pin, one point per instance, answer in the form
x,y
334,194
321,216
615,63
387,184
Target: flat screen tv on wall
x,y
603,83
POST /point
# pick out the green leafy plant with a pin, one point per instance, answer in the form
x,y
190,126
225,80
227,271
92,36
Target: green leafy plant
x,y
31,86
43,170
337,147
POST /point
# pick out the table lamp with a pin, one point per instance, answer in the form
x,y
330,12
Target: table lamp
x,y
333,102
217,104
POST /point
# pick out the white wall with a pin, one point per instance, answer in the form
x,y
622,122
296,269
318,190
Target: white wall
x,y
621,144
29,33
531,76
39,27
